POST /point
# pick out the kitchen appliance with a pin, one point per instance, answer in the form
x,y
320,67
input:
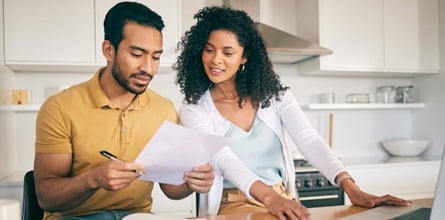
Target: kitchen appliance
x,y
313,188
282,47
287,48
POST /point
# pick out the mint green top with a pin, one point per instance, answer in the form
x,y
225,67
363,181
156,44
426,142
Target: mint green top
x,y
259,149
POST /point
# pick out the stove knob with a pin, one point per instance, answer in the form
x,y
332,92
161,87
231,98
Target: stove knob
x,y
320,182
298,184
308,183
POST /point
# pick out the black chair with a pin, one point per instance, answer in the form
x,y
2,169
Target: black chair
x,y
30,208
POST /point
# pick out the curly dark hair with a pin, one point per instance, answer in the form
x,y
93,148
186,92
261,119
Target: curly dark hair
x,y
258,80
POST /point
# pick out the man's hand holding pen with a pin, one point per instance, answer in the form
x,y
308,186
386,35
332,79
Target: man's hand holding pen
x,y
114,174
112,157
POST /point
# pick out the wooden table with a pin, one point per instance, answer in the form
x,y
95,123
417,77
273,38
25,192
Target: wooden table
x,y
321,213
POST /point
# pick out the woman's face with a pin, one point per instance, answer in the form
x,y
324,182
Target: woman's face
x,y
222,56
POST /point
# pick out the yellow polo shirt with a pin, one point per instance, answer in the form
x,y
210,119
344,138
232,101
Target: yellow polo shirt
x,y
81,121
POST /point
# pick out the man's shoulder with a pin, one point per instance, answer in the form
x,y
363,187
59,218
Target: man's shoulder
x,y
158,98
73,92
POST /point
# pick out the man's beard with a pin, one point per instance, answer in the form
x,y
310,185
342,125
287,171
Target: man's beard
x,y
125,82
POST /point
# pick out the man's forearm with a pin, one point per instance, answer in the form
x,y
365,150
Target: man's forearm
x,y
176,192
58,194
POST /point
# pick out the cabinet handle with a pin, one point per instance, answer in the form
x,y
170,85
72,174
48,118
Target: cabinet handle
x,y
333,196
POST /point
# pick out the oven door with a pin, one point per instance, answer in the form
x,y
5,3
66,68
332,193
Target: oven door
x,y
320,198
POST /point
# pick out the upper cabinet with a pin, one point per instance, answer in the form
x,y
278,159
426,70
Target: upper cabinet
x,y
49,32
52,35
371,37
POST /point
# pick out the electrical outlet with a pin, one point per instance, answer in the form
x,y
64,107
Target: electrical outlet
x,y
20,97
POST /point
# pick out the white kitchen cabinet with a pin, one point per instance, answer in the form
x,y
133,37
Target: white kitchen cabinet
x,y
49,32
371,37
162,205
399,176
51,35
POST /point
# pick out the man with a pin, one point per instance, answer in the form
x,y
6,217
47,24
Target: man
x,y
113,111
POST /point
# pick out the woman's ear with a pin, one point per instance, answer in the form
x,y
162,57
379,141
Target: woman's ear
x,y
108,50
244,60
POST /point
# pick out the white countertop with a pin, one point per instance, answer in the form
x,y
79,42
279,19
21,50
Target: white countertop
x,y
384,161
388,160
15,178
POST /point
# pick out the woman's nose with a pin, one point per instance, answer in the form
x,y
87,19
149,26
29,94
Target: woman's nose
x,y
217,58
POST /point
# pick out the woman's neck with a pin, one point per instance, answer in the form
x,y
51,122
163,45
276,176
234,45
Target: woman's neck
x,y
225,94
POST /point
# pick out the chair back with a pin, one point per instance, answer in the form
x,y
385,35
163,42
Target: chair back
x,y
30,208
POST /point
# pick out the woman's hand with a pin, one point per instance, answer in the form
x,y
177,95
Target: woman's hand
x,y
200,179
360,198
285,209
277,205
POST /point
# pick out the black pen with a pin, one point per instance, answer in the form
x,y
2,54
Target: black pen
x,y
112,157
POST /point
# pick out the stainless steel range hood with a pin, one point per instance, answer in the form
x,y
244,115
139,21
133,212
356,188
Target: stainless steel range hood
x,y
287,48
282,47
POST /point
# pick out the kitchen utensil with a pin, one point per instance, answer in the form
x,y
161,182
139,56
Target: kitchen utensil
x,y
357,98
327,97
402,147
385,94
405,94
331,127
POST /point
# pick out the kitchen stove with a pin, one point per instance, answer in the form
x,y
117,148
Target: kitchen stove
x,y
313,188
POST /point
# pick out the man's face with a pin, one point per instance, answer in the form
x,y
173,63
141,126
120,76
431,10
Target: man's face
x,y
137,58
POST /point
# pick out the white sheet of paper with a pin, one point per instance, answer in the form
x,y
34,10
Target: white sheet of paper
x,y
175,149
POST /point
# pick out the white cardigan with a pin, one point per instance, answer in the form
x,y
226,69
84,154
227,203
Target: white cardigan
x,y
282,115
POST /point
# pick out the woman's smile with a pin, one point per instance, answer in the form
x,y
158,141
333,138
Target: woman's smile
x,y
216,71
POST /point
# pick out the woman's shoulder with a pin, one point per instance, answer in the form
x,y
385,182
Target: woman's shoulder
x,y
284,96
203,106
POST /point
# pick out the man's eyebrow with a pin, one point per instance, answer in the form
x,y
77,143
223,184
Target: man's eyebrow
x,y
133,47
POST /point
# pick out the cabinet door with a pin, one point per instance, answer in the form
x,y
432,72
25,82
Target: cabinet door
x,y
162,205
397,178
170,12
353,30
49,31
411,35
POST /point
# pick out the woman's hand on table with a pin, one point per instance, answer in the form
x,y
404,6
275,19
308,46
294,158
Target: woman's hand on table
x,y
286,209
360,198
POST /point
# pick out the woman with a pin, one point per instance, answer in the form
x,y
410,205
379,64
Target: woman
x,y
231,89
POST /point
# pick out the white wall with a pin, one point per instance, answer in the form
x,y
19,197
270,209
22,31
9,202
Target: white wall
x,y
8,155
355,133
